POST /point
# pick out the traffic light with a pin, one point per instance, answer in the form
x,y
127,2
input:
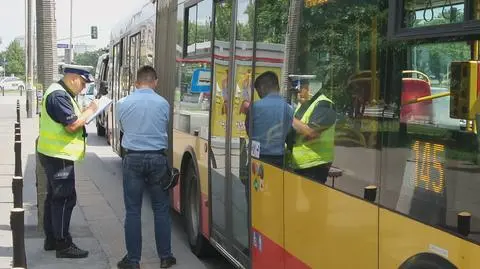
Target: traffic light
x,y
94,32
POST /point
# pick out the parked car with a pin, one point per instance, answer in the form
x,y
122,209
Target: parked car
x,y
12,83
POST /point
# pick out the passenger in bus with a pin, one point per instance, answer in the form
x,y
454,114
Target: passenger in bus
x,y
312,148
143,118
271,118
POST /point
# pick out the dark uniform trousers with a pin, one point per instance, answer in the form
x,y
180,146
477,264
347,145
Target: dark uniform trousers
x,y
61,197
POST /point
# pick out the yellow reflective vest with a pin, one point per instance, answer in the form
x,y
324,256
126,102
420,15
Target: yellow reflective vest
x,y
54,140
314,152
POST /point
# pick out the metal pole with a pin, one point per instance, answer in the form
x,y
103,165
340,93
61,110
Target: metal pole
x,y
17,224
70,47
29,74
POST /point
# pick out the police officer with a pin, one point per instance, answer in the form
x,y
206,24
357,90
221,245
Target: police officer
x,y
314,131
61,142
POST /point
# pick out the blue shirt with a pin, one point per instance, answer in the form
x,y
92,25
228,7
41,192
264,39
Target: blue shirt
x,y
143,117
272,120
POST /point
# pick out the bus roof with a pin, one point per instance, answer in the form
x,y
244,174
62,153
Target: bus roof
x,y
133,22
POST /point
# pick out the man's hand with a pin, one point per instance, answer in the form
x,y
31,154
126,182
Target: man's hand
x,y
305,130
93,106
81,121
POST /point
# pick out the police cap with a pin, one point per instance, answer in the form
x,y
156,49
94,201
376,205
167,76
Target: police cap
x,y
81,70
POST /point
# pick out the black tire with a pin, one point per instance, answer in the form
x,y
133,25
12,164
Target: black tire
x,y
21,88
427,261
100,130
198,244
107,134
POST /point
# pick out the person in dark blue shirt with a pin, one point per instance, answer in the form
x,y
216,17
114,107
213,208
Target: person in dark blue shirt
x,y
60,108
58,164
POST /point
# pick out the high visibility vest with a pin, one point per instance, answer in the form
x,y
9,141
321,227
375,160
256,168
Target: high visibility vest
x,y
314,152
54,140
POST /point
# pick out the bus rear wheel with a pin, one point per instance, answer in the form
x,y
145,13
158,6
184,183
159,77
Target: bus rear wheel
x,y
198,244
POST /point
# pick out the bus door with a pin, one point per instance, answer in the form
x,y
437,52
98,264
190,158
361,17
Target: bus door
x,y
229,210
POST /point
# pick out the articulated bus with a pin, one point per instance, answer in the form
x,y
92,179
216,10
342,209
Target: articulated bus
x,y
403,190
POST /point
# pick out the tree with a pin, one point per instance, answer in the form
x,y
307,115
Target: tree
x,y
15,57
89,58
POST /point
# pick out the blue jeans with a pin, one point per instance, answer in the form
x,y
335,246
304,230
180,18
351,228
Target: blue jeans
x,y
146,171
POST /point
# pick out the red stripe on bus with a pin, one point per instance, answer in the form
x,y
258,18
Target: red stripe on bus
x,y
268,254
205,220
176,197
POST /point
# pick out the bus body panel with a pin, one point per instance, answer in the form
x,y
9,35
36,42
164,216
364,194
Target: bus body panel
x,y
326,228
402,237
267,211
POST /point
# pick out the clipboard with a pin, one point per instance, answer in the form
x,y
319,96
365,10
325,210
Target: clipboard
x,y
103,103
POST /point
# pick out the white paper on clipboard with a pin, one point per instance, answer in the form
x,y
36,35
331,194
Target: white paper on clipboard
x,y
103,103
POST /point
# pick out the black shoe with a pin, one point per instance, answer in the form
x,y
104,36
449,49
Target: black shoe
x,y
49,244
72,252
167,262
126,264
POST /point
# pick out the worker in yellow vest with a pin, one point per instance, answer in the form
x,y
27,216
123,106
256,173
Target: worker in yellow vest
x,y
312,149
61,142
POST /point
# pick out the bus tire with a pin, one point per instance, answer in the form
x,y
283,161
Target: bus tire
x,y
100,130
427,260
196,240
108,134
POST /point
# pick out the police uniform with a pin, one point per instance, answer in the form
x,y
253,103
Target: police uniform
x,y
58,150
313,158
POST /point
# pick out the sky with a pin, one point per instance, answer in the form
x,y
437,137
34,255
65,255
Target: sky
x,y
86,13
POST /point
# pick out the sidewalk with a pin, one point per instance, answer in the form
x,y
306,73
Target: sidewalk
x,y
37,258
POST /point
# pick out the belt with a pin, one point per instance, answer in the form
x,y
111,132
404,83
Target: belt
x,y
160,151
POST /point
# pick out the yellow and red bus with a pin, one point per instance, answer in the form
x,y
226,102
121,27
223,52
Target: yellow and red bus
x,y
403,190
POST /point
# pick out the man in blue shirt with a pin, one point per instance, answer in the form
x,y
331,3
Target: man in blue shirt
x,y
143,117
271,118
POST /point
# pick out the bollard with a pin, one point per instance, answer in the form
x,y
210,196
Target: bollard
x,y
18,111
18,157
463,223
3,91
17,190
17,224
370,193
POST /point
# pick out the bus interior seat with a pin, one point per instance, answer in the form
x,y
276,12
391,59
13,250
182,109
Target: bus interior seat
x,y
413,88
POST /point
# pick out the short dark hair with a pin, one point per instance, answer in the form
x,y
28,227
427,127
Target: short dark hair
x,y
267,81
146,74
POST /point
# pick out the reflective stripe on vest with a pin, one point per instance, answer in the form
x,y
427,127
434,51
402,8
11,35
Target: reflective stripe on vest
x,y
54,140
314,152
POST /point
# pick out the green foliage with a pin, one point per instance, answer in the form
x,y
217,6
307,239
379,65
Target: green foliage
x,y
222,21
272,20
89,58
15,57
